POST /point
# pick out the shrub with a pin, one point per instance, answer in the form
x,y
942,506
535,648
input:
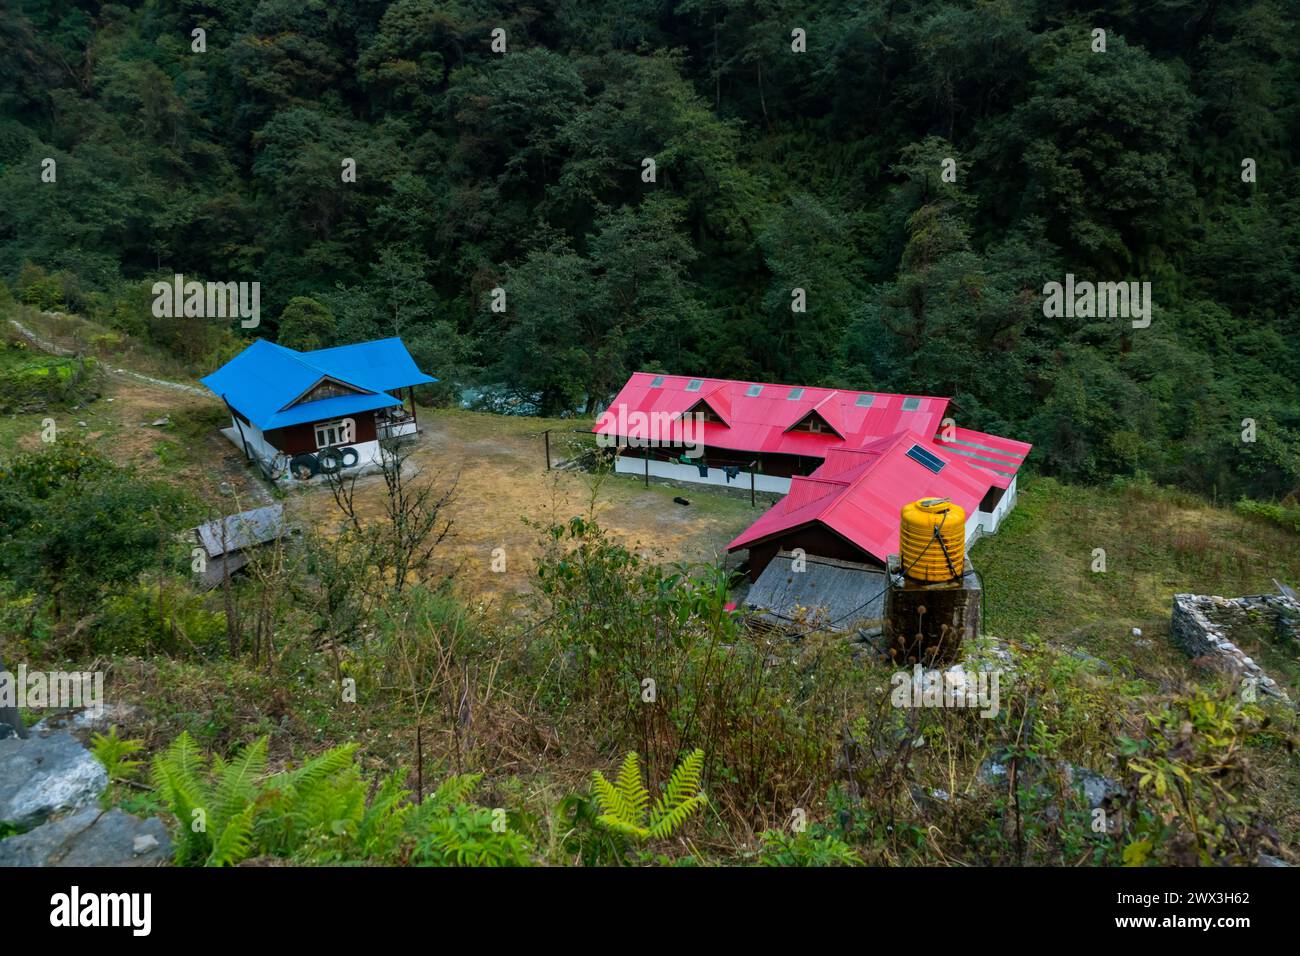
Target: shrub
x,y
1281,515
144,619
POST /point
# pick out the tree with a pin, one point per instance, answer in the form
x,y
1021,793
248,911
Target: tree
x,y
305,325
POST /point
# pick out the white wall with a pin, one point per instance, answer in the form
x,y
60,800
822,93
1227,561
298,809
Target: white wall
x,y
991,521
368,452
251,434
626,465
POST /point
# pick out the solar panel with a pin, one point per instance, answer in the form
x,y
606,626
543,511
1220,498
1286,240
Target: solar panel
x,y
911,404
931,461
658,382
796,393
694,385
864,401
754,391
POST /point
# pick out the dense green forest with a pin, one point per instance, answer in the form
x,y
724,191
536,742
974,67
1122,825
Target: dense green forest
x,y
795,146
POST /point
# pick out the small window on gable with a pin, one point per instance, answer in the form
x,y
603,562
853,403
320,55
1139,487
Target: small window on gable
x,y
864,401
658,382
814,424
921,456
796,393
694,385
911,404
754,391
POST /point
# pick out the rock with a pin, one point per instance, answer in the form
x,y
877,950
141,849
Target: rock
x,y
90,837
1094,662
161,422
46,773
1267,859
1097,788
1201,625
143,843
86,720
1137,632
993,772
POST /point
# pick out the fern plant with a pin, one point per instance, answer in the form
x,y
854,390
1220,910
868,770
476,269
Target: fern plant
x,y
229,810
215,806
453,832
625,804
115,754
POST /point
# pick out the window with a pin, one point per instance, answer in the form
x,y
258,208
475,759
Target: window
x,y
694,385
796,393
911,404
864,401
926,458
814,424
754,391
338,432
658,382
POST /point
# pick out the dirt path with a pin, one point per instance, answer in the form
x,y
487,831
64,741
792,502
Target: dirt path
x,y
55,349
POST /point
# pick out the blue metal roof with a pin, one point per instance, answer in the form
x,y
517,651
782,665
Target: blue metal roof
x,y
262,381
381,365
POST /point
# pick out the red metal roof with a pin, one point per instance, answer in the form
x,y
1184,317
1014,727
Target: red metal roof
x,y
1000,458
862,502
759,422
866,475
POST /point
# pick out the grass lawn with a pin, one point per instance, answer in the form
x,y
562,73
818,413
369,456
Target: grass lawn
x,y
499,464
1039,580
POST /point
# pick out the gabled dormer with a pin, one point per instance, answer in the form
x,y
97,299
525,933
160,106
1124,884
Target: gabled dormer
x,y
822,418
714,405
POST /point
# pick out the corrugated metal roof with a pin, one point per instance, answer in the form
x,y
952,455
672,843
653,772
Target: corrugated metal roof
x,y
864,503
262,381
242,530
842,595
381,365
866,475
760,423
999,457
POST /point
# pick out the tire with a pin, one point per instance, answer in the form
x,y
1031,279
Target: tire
x,y
350,455
330,460
304,466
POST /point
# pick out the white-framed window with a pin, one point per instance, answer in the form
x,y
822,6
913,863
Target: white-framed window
x,y
338,432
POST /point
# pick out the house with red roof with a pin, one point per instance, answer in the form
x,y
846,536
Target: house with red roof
x,y
846,461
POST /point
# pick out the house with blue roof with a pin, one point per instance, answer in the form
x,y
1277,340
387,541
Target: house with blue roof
x,y
307,413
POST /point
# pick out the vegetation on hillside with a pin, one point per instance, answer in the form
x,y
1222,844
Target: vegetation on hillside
x,y
775,170
918,174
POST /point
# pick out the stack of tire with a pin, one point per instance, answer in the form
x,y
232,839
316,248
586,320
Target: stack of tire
x,y
327,461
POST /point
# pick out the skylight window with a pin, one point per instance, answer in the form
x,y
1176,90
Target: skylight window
x,y
926,458
658,382
911,404
864,401
694,385
796,393
754,391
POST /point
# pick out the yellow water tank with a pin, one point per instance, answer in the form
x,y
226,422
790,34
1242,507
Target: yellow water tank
x,y
932,539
